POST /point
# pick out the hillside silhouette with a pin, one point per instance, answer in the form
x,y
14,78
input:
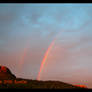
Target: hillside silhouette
x,y
9,80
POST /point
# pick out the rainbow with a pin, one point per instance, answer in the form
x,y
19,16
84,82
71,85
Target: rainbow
x,y
21,62
45,58
22,58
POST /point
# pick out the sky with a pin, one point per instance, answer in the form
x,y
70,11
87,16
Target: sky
x,y
27,30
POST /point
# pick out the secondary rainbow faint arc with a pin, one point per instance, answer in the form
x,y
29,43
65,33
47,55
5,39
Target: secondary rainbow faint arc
x,y
21,61
45,58
22,58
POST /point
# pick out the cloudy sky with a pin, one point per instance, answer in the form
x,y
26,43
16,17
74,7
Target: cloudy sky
x,y
27,30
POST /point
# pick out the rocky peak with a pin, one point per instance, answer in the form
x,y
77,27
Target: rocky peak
x,y
5,73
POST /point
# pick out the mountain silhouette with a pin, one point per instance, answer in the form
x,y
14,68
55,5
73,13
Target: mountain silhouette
x,y
13,82
5,73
